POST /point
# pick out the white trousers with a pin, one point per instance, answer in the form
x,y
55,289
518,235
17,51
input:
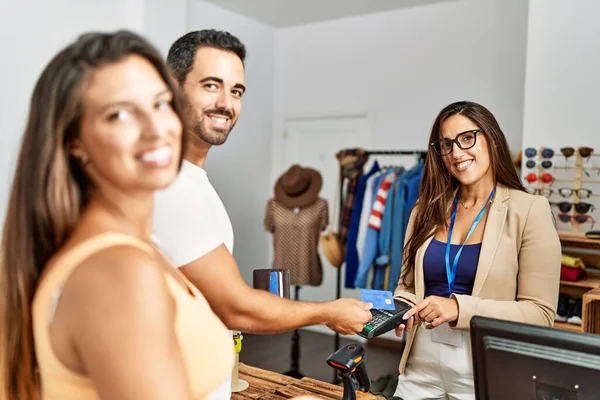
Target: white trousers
x,y
437,370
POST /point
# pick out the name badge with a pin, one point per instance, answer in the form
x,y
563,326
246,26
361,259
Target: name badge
x,y
446,335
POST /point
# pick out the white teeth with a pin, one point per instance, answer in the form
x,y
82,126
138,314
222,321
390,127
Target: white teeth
x,y
160,156
463,165
219,120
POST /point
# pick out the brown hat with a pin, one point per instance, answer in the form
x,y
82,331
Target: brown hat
x,y
298,187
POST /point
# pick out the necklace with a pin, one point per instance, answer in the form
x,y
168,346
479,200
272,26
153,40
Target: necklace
x,y
468,208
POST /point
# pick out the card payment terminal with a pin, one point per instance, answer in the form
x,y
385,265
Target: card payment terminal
x,y
385,320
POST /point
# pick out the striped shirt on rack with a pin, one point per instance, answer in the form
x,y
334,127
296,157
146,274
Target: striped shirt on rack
x,y
380,201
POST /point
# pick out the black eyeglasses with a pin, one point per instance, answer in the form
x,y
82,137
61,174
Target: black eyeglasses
x,y
581,208
464,141
581,193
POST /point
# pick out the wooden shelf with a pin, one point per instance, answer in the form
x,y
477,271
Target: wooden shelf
x,y
576,244
588,283
568,327
578,239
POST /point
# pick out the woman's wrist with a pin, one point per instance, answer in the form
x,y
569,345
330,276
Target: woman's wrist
x,y
455,316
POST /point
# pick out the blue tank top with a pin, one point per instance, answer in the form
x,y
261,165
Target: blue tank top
x,y
434,268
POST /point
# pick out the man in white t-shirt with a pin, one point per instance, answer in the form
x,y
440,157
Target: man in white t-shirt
x,y
191,224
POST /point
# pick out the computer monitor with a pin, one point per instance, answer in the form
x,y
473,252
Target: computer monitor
x,y
514,361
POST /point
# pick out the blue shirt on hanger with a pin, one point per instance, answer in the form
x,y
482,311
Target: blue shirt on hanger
x,y
351,250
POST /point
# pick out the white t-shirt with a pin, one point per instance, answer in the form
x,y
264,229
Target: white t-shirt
x,y
190,221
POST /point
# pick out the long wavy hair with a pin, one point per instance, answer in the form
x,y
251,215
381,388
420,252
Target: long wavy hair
x,y
50,190
438,186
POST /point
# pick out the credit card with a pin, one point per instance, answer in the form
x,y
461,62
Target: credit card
x,y
381,299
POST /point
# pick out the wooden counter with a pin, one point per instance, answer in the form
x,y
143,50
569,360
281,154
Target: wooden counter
x,y
268,385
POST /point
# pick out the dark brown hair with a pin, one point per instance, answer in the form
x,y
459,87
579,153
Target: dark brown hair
x,y
49,191
438,185
182,53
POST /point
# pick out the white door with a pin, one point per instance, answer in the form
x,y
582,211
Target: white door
x,y
314,142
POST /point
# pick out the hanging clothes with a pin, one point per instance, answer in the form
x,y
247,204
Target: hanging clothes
x,y
296,234
371,246
367,207
375,212
384,240
351,248
351,161
403,202
414,187
381,265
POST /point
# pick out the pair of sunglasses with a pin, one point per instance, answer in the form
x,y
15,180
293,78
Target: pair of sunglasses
x,y
581,208
578,219
546,164
584,152
546,178
581,193
547,192
530,152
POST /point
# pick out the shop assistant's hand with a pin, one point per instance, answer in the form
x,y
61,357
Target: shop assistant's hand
x,y
435,310
408,323
348,316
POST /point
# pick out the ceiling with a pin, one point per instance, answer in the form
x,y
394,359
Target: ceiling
x,y
285,13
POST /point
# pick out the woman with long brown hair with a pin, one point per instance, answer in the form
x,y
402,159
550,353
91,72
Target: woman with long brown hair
x,y
477,244
90,308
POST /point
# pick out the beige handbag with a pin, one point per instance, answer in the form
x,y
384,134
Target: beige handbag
x,y
332,248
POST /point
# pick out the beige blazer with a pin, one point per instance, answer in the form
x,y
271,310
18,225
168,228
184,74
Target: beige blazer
x,y
518,273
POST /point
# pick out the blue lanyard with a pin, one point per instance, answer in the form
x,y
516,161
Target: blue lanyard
x,y
451,273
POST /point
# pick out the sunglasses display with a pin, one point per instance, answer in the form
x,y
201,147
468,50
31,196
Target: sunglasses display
x,y
581,208
546,192
542,167
547,153
567,152
546,178
584,152
546,164
530,152
577,219
581,193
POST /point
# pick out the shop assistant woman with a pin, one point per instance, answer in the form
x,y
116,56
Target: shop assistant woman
x,y
477,244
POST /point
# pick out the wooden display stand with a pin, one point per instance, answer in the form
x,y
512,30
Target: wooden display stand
x,y
268,385
591,311
587,288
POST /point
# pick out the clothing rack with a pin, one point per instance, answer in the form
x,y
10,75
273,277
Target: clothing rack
x,y
338,293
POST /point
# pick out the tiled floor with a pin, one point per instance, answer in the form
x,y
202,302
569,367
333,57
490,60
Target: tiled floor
x,y
272,352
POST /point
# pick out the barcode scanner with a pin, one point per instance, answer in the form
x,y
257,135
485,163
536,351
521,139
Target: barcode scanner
x,y
349,361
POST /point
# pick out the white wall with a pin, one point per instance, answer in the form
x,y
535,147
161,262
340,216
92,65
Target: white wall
x,y
165,22
31,32
240,168
562,86
404,66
